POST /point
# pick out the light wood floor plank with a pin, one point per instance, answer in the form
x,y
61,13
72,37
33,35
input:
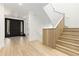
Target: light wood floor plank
x,y
20,46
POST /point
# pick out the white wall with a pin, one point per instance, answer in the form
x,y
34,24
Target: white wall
x,y
52,14
26,24
11,14
2,31
36,25
71,11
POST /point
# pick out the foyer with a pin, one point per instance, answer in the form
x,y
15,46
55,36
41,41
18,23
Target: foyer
x,y
39,29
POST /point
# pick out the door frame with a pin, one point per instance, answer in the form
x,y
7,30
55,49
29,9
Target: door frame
x,y
6,35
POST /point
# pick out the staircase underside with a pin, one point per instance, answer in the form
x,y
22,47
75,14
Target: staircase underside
x,y
68,42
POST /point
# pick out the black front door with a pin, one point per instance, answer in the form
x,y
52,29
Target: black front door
x,y
15,28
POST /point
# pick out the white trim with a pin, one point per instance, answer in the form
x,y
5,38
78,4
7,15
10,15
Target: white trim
x,y
13,17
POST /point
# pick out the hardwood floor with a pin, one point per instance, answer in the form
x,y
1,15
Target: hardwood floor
x,y
20,46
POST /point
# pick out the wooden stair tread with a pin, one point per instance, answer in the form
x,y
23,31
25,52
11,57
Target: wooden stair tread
x,y
71,33
68,49
69,43
70,37
71,29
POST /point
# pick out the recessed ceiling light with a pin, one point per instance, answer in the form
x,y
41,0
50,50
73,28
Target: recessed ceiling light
x,y
20,4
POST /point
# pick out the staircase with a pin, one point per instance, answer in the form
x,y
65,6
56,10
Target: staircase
x,y
68,42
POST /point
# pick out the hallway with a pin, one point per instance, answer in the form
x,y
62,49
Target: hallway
x,y
20,46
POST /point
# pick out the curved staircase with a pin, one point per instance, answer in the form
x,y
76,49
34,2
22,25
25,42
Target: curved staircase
x,y
68,42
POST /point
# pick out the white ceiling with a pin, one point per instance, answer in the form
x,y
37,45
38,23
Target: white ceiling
x,y
24,8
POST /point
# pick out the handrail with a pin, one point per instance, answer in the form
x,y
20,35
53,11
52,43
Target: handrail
x,y
56,16
51,35
60,19
58,22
